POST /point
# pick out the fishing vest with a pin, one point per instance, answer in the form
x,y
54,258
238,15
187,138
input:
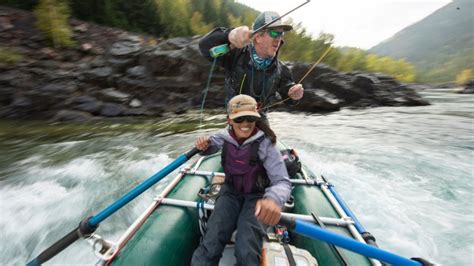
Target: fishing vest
x,y
243,169
260,84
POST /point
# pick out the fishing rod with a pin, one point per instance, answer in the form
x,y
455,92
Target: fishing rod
x,y
223,49
278,18
90,224
304,76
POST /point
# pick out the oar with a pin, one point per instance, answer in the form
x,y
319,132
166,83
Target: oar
x,y
296,223
90,224
368,237
315,232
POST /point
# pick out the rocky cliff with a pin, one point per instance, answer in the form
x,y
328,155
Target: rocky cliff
x,y
112,73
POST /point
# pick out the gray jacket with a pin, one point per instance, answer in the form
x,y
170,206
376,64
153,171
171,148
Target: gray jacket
x,y
280,186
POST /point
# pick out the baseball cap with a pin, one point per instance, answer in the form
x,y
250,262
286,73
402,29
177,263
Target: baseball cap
x,y
242,105
266,17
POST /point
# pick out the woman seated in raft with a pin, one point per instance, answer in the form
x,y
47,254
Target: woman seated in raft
x,y
255,189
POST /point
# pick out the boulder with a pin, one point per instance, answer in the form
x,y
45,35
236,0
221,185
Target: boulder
x,y
86,104
113,95
111,110
71,116
469,88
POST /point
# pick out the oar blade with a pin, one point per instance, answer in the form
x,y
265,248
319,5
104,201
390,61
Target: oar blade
x,y
57,247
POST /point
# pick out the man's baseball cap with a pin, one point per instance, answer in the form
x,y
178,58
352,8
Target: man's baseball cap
x,y
267,16
242,105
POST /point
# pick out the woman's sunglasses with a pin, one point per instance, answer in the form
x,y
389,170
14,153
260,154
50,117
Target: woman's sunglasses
x,y
241,119
275,34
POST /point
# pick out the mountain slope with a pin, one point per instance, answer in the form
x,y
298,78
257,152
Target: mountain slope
x,y
440,46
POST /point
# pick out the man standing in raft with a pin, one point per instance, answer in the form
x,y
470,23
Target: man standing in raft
x,y
251,65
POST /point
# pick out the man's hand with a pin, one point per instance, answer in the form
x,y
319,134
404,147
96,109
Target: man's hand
x,y
296,92
240,36
267,211
202,143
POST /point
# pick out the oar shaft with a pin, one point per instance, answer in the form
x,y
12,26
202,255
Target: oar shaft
x,y
315,232
89,225
57,247
104,214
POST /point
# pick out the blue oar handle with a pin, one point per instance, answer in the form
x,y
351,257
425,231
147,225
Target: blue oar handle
x,y
90,224
315,232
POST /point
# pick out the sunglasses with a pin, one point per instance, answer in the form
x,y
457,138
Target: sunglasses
x,y
241,119
275,34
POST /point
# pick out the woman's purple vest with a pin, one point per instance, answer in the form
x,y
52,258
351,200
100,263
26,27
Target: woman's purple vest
x,y
243,169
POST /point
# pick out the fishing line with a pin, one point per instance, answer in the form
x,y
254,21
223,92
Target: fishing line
x,y
206,90
242,83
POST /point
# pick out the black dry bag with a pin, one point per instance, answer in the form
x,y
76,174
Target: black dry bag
x,y
292,162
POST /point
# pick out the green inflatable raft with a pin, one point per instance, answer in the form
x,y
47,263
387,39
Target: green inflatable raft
x,y
168,232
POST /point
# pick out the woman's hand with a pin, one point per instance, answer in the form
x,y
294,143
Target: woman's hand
x,y
202,143
267,211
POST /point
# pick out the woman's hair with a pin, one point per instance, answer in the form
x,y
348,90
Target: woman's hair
x,y
267,130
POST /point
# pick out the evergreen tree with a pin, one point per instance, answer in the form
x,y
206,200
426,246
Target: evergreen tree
x,y
174,17
52,19
113,15
23,4
197,24
235,21
142,16
91,10
211,11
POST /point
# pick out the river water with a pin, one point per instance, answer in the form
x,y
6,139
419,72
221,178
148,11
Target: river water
x,y
406,172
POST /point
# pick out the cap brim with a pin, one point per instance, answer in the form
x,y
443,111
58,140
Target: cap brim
x,y
244,113
284,27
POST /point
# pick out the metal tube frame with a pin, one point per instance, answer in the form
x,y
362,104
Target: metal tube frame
x,y
156,201
342,213
307,218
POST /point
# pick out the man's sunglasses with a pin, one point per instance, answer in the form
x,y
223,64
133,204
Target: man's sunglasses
x,y
275,34
241,119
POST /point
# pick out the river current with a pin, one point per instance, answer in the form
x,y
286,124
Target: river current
x,y
406,172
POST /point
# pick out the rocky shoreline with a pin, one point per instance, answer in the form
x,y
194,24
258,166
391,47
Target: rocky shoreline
x,y
113,73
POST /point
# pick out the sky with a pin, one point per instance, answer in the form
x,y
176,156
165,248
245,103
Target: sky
x,y
355,23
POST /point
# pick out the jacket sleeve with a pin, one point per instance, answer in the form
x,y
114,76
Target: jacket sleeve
x,y
280,185
216,142
286,82
216,37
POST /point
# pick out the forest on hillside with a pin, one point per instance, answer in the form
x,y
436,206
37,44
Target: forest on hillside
x,y
174,18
